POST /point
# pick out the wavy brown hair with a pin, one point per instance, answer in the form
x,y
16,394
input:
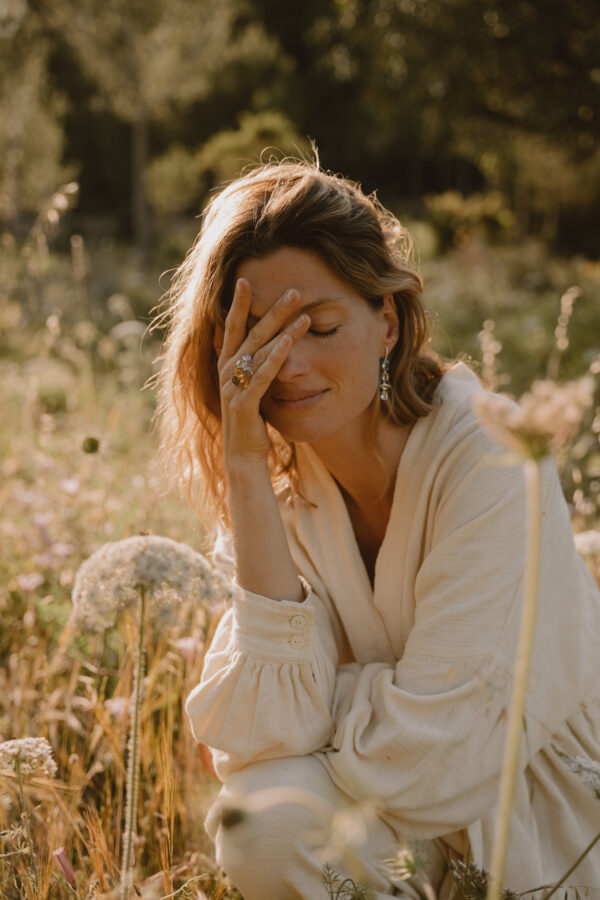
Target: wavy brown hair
x,y
290,204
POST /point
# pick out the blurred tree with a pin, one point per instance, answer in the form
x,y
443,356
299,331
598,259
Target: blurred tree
x,y
174,181
31,135
263,136
179,179
149,59
435,86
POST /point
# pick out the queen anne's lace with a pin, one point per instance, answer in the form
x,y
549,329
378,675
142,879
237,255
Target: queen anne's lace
x,y
33,756
545,418
110,581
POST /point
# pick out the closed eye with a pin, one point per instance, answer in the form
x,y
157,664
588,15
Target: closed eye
x,y
323,333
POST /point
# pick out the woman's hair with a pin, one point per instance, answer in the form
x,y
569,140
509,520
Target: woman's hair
x,y
290,204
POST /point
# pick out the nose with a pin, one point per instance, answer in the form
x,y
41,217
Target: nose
x,y
296,364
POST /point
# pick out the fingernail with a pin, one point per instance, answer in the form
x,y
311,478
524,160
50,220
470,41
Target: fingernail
x,y
301,321
290,297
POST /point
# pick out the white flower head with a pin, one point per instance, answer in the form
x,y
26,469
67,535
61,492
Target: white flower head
x,y
110,581
588,542
32,756
587,769
544,419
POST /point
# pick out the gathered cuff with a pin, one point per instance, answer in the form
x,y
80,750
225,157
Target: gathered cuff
x,y
276,630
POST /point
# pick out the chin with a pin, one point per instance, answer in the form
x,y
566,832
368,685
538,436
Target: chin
x,y
301,432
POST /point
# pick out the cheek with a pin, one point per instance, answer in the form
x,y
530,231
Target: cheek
x,y
355,368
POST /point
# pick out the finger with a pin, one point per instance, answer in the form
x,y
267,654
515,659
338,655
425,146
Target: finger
x,y
269,324
237,317
294,331
274,360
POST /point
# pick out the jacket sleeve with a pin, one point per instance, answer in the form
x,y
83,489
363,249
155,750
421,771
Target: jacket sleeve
x,y
267,681
424,739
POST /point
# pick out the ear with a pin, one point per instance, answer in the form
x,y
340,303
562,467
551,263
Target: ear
x,y
391,321
218,338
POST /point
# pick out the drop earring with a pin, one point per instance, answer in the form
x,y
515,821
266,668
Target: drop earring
x,y
385,385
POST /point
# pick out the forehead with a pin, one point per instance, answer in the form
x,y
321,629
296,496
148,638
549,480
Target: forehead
x,y
271,276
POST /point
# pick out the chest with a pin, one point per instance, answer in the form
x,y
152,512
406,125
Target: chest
x,y
369,532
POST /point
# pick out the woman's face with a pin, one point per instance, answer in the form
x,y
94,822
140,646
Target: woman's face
x,y
328,381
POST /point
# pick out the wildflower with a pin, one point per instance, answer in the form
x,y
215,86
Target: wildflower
x,y
188,646
406,863
30,581
110,581
117,707
70,485
588,542
545,418
61,860
33,756
587,769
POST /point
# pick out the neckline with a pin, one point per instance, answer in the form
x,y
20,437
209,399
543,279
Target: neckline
x,y
344,515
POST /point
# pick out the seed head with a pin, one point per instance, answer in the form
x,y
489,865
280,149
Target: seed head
x,y
109,582
32,756
587,769
545,418
62,861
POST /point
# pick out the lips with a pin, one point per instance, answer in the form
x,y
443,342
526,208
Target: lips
x,y
295,396
298,400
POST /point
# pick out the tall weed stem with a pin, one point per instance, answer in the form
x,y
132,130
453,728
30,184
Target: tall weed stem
x,y
521,674
133,764
25,817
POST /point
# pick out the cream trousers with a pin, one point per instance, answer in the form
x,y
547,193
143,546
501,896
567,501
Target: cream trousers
x,y
293,820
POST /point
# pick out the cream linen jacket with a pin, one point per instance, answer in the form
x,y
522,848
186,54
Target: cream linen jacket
x,y
416,721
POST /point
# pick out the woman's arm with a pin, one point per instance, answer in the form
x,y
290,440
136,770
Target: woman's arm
x,y
263,560
269,675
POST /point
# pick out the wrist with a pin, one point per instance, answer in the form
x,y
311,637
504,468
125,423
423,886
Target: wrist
x,y
241,471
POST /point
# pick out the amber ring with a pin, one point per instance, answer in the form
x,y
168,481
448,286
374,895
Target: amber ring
x,y
243,372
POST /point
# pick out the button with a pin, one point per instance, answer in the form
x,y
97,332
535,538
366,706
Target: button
x,y
297,642
297,621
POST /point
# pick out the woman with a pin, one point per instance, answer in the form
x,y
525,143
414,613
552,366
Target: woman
x,y
378,558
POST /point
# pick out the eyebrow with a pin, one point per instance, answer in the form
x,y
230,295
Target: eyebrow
x,y
322,301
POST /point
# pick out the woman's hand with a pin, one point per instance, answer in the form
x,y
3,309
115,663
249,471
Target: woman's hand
x,y
244,432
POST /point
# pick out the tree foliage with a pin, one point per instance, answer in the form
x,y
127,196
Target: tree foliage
x,y
31,132
411,96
